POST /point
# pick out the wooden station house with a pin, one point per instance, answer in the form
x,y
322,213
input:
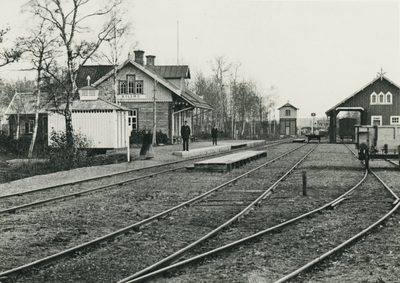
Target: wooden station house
x,y
378,103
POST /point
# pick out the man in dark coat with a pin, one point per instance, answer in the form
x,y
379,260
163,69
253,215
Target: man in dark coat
x,y
185,133
214,135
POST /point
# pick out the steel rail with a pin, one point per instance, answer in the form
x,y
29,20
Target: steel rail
x,y
126,171
380,180
243,240
135,226
394,163
342,245
80,193
182,251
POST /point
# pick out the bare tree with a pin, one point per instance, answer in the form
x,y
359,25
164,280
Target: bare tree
x,y
233,90
121,42
220,68
8,55
41,47
70,18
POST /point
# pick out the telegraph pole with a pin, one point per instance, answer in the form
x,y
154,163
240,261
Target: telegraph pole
x,y
154,112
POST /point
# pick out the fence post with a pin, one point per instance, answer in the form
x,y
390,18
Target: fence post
x,y
304,183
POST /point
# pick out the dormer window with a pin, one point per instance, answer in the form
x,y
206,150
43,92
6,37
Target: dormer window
x,y
88,93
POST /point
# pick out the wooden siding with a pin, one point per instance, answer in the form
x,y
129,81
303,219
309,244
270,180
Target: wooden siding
x,y
291,123
362,99
104,129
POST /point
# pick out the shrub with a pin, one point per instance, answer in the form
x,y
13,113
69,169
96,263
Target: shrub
x,y
137,137
64,158
161,137
18,147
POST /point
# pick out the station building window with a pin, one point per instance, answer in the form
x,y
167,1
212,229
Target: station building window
x,y
132,119
287,112
373,98
131,83
394,120
122,86
376,120
389,98
381,98
139,87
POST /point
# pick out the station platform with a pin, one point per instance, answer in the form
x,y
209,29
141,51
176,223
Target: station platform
x,y
217,148
228,162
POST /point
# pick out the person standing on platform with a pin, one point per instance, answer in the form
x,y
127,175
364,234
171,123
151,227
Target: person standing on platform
x,y
214,135
185,133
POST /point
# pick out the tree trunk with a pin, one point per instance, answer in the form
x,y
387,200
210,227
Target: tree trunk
x,y
68,128
18,126
36,126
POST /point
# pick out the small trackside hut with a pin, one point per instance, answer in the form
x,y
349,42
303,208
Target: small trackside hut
x,y
104,123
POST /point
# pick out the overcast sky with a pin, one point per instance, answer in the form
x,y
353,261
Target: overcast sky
x,y
316,53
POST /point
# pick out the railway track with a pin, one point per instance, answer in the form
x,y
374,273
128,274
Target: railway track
x,y
124,230
224,201
22,200
211,253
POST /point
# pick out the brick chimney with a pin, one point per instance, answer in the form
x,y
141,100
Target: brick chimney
x,y
150,60
139,57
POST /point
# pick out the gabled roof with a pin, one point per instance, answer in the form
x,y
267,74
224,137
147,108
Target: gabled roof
x,y
94,71
151,71
171,72
288,105
147,71
99,104
25,103
361,89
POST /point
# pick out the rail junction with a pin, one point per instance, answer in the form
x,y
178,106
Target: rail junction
x,y
228,216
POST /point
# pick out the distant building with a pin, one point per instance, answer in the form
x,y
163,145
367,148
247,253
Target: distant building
x,y
288,120
378,103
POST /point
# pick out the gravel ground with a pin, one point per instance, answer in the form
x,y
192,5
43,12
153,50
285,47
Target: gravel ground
x,y
163,154
330,171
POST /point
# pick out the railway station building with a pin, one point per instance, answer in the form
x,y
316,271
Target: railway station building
x,y
378,103
150,92
113,101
